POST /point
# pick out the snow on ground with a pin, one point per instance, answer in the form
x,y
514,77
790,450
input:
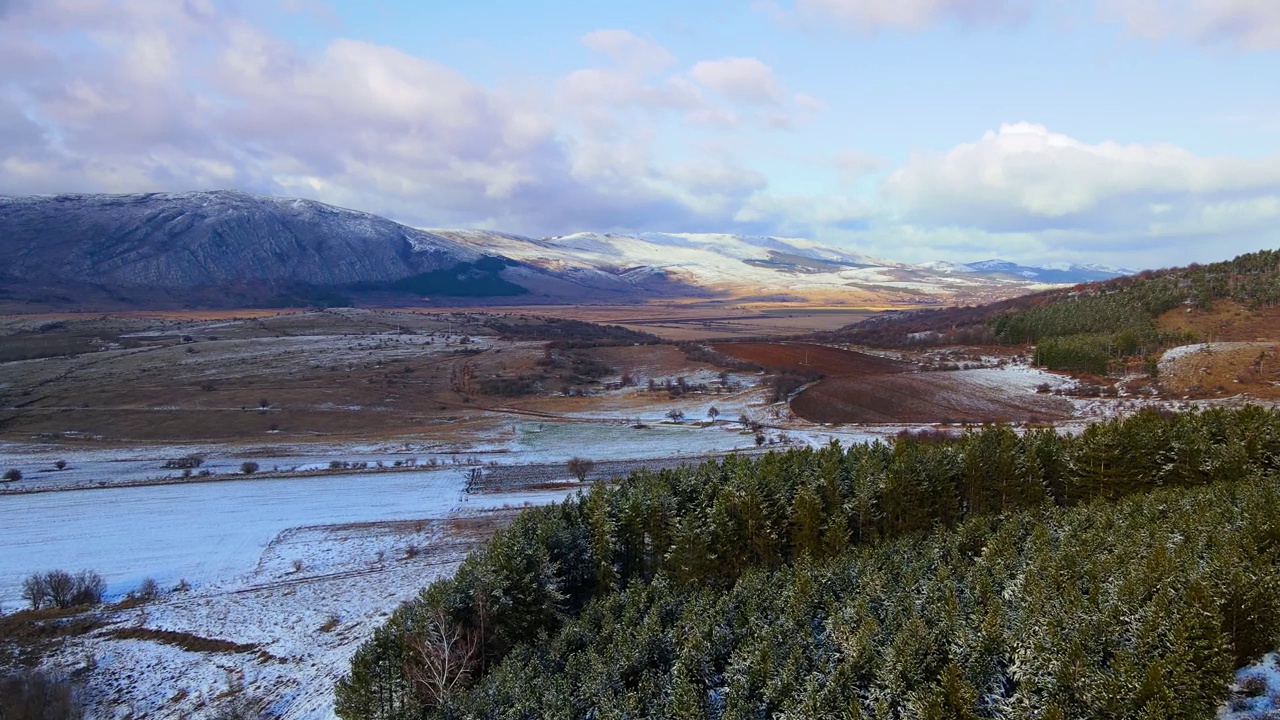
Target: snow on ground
x,y
198,532
1256,691
301,568
1184,350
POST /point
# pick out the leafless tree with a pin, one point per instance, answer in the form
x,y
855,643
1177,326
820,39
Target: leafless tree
x,y
442,658
36,695
580,467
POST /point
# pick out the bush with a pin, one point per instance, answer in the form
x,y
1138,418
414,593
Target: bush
x,y
580,468
12,475
60,464
148,590
184,463
36,696
61,589
249,467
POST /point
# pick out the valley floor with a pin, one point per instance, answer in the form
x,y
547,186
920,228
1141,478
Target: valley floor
x,y
373,481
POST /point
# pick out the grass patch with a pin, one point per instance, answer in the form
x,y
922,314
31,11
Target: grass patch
x,y
184,640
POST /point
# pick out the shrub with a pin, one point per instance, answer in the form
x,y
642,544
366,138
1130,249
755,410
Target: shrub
x,y
60,464
249,467
184,463
36,695
580,467
148,590
61,589
12,475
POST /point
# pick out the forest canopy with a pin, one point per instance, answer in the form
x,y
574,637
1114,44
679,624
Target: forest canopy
x,y
1124,572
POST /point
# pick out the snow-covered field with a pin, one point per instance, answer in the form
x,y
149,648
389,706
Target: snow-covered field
x,y
199,532
267,563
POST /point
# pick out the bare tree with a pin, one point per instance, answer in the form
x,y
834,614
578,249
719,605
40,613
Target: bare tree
x,y
462,380
61,586
675,415
443,658
713,412
580,467
36,695
88,589
35,591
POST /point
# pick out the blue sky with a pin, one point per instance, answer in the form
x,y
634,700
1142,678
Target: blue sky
x,y
1142,133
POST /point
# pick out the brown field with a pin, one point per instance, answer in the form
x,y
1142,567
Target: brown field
x,y
291,377
927,397
808,357
1224,368
1228,321
862,388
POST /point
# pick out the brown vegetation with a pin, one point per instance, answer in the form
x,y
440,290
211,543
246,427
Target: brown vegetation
x,y
922,398
184,640
809,357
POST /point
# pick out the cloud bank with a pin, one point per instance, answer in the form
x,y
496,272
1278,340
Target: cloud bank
x,y
155,95
148,95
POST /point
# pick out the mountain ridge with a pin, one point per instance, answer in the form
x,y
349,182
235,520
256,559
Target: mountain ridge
x,y
228,248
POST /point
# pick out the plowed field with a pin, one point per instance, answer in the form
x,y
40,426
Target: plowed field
x,y
926,397
807,357
862,388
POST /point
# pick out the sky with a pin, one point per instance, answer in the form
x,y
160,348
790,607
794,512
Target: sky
x,y
1137,133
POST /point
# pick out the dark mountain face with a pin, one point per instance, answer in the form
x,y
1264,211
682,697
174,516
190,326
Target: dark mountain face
x,y
191,240
232,249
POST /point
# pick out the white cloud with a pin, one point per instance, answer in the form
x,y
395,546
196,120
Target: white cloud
x,y
869,16
740,79
100,96
1246,24
630,50
1025,179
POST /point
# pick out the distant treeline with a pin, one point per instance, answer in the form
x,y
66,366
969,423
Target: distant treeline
x,y
989,576
1090,326
569,334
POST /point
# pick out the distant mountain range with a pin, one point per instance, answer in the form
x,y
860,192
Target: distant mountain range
x,y
228,249
1057,273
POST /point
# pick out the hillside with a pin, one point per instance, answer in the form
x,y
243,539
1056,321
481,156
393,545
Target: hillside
x,y
225,249
233,249
1097,327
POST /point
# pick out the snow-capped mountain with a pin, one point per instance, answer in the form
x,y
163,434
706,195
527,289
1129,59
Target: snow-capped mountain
x,y
227,248
1057,273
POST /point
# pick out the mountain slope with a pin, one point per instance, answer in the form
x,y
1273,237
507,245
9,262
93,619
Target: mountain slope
x,y
193,239
227,249
750,268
